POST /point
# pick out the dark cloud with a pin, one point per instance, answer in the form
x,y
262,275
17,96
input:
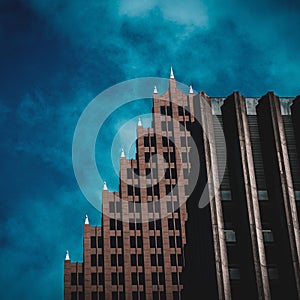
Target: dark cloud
x,y
58,55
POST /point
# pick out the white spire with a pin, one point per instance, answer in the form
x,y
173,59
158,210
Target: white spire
x,y
191,90
171,73
122,153
155,90
104,186
139,122
86,220
67,255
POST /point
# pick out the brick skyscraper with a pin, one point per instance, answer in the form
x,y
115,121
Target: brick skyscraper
x,y
142,260
243,244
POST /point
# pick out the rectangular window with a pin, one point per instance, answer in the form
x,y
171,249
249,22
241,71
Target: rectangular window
x,y
273,272
140,260
161,278
100,242
158,224
184,157
119,225
73,296
93,242
93,260
155,295
112,224
268,235
80,278
111,207
226,195
230,236
121,278
169,206
263,195
147,157
177,224
134,278
113,243
133,259
166,156
139,241
185,173
130,190
146,141
170,224
100,260
101,278
141,278
164,141
297,195
234,273
162,110
114,279
170,126
120,241
152,241
137,191
151,224
178,241
183,141
173,173
167,173
180,110
156,190
153,141
136,173
160,259
174,279
154,278
172,157
172,241
73,278
132,242
163,126
149,190
94,278
169,110
94,296
153,259
173,259
113,259
129,173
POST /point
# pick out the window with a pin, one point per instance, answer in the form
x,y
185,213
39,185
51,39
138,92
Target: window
x,y
184,157
172,241
140,260
234,273
134,278
121,278
148,171
129,173
173,259
178,241
93,260
118,206
163,126
158,224
153,141
174,279
113,259
146,141
111,206
173,173
112,224
268,235
177,224
139,241
130,190
93,242
100,242
151,224
161,278
113,242
101,278
73,278
170,224
183,141
154,278
136,173
114,279
135,296
160,259
94,278
155,295
147,157
166,156
119,225
164,141
180,260
81,297
263,195
162,110
120,241
73,296
114,295
132,242
169,206
141,278
226,195
137,191
185,173
168,189
175,295
167,173
156,190
133,259
180,110
80,278
181,126
153,260
273,272
169,110
170,125
149,190
172,157
152,241
230,236
100,260
94,296
297,195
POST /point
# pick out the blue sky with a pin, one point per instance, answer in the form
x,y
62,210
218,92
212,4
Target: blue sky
x,y
56,56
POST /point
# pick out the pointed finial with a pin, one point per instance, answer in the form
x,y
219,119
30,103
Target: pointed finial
x,y
155,90
86,220
171,74
67,255
122,153
104,186
139,122
191,90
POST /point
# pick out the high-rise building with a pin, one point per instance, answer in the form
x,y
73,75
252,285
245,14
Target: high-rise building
x,y
236,237
246,243
142,258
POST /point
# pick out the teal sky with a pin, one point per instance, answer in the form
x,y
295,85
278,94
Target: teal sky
x,y
56,56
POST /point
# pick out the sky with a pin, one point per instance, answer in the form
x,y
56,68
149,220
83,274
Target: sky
x,y
56,56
